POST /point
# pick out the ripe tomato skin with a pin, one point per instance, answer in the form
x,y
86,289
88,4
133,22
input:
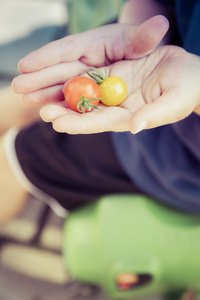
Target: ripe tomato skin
x,y
81,86
113,91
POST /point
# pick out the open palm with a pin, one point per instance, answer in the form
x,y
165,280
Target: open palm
x,y
162,88
163,84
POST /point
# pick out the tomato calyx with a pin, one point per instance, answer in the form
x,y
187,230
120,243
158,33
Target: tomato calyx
x,y
85,104
98,76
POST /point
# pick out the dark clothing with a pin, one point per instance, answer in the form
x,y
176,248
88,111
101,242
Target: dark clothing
x,y
165,162
187,14
73,169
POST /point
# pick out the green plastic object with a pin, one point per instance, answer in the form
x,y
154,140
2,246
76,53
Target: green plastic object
x,y
88,14
133,246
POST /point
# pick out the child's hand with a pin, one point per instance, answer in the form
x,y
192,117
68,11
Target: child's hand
x,y
162,88
163,85
45,70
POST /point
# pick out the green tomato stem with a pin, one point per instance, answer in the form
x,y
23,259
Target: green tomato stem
x,y
85,104
98,76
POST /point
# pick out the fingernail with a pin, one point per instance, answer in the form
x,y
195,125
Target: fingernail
x,y
141,127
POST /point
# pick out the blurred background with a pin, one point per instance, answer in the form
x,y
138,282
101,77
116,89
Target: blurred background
x,y
27,25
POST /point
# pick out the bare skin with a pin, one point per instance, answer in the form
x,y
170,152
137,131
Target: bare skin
x,y
39,84
13,195
19,114
163,85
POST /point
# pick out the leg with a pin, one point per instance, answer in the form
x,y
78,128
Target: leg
x,y
12,194
14,113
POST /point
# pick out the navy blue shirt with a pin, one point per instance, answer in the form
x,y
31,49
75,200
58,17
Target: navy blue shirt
x,y
187,15
165,161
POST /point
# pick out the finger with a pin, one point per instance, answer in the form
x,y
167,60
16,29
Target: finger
x,y
50,113
108,119
43,96
62,50
141,40
146,37
167,109
28,83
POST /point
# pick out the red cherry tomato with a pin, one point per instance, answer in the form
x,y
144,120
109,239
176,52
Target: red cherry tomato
x,y
82,94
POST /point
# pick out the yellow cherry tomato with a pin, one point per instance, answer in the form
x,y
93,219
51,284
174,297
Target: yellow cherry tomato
x,y
113,91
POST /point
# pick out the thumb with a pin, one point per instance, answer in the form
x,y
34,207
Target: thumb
x,y
167,109
146,37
